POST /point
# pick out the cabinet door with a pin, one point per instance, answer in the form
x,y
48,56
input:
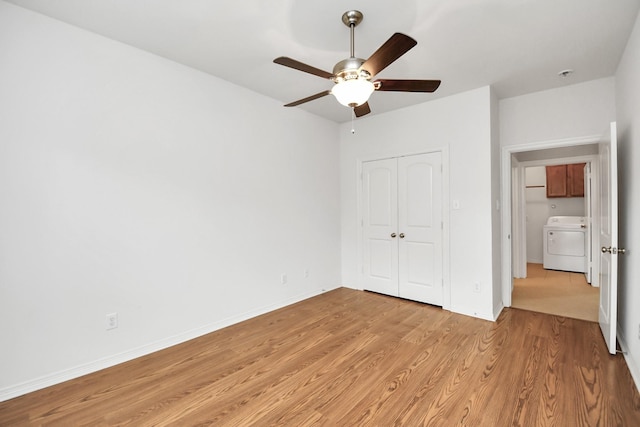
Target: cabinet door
x,y
575,180
557,181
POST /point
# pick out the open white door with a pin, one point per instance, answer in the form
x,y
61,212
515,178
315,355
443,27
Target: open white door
x,y
588,220
607,316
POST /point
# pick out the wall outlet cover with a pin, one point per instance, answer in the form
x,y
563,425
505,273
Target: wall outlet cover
x,y
112,321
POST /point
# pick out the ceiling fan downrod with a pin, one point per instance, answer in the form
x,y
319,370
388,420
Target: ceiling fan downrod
x,y
351,19
349,68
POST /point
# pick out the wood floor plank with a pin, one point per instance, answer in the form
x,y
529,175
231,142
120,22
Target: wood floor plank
x,y
349,357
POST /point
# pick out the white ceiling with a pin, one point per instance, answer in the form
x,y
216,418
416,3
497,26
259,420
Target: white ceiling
x,y
518,46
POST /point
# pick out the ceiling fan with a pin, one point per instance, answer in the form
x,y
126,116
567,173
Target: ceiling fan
x,y
352,76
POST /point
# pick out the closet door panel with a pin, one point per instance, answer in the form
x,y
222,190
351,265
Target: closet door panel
x,y
420,227
380,223
419,272
380,254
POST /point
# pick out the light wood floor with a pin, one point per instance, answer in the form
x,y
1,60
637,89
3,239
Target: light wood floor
x,y
352,358
561,293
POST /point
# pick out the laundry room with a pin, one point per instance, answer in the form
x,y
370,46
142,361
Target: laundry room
x,y
555,216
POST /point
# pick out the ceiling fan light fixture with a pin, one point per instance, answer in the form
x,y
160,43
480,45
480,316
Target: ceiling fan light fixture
x,y
353,92
352,76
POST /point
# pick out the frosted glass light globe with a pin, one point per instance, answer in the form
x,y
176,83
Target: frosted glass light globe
x,y
354,92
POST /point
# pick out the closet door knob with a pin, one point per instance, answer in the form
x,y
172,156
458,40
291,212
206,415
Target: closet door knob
x,y
605,250
393,235
402,235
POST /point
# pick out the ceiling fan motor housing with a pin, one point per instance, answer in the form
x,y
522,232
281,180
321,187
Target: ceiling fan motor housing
x,y
349,69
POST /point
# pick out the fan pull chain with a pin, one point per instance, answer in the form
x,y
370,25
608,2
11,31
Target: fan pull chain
x,y
353,117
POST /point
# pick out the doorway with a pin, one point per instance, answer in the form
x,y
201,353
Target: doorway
x,y
557,255
605,219
514,163
555,259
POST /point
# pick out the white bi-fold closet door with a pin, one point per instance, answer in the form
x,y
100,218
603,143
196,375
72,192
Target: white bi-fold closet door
x,y
402,227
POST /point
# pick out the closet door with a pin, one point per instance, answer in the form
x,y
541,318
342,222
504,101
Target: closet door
x,y
420,228
380,224
402,227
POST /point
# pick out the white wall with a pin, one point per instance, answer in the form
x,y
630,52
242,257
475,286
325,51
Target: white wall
x,y
539,208
132,184
578,110
628,121
461,125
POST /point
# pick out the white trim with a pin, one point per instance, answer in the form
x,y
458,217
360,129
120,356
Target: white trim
x,y
505,194
564,160
446,231
519,228
107,362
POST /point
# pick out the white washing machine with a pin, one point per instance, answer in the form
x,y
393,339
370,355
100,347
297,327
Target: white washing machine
x,y
565,244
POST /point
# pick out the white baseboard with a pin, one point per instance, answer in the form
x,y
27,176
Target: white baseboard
x,y
465,311
107,362
633,368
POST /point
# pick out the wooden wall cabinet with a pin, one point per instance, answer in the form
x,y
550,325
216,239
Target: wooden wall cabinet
x,y
565,180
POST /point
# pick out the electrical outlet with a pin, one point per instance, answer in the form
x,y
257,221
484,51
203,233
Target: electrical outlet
x,y
283,278
306,273
112,321
476,287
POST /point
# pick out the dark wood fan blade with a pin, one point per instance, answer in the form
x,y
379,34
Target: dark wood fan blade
x,y
308,98
297,65
361,110
391,85
397,45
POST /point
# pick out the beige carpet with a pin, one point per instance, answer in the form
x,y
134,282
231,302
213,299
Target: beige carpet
x,y
556,292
